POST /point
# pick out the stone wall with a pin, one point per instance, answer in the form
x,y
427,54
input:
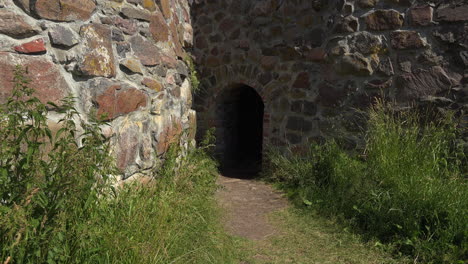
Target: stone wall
x,y
317,63
120,58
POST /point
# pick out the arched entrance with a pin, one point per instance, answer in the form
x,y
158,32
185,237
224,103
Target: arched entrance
x,y
240,135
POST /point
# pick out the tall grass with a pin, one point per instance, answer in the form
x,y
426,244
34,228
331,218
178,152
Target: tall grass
x,y
407,189
57,206
173,219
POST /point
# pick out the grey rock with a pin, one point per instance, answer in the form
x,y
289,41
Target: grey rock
x,y
355,64
136,13
364,42
63,36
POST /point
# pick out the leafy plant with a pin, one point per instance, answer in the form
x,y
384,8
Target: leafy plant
x,y
194,81
48,180
407,189
57,206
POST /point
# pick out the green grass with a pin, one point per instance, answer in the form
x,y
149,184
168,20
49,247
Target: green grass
x,y
57,205
172,220
306,237
407,189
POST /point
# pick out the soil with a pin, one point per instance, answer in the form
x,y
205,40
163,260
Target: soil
x,y
248,203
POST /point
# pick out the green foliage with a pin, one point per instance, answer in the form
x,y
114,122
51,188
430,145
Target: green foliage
x,y
407,189
56,204
48,182
174,219
194,81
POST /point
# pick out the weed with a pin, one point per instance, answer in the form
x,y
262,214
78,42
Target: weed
x,y
406,190
194,80
56,205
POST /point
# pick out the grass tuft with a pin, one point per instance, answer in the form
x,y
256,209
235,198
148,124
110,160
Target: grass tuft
x,y
407,189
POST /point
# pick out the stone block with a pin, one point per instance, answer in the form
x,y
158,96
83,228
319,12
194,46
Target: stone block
x,y
65,10
16,25
32,47
61,35
384,20
45,77
406,39
114,99
97,58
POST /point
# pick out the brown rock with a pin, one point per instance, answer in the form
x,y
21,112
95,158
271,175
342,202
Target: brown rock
x,y
422,83
132,65
32,47
452,13
406,39
128,26
367,3
150,5
302,81
212,61
169,135
119,100
158,28
316,54
98,56
152,84
24,4
127,143
165,6
65,10
192,120
148,53
347,24
177,40
15,25
355,64
269,62
379,84
421,15
135,13
384,20
45,77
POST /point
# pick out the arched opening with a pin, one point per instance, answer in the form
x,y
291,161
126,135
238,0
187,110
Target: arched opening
x,y
240,137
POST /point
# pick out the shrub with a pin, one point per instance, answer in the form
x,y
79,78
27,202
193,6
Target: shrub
x,y
406,189
47,180
57,206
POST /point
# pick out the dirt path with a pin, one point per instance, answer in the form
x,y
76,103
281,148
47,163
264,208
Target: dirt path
x,y
274,232
247,204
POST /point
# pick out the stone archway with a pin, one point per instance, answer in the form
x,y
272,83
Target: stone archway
x,y
240,129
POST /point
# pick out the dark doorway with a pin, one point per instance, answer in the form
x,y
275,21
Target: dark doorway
x,y
242,132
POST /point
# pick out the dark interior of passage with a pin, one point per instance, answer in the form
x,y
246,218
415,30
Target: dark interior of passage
x,y
242,118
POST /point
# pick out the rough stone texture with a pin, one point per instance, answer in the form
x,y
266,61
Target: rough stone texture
x,y
311,62
118,58
98,57
132,12
132,65
406,39
63,36
148,53
158,28
16,25
117,100
48,82
165,6
152,84
32,47
383,20
64,10
314,64
452,13
421,15
423,82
